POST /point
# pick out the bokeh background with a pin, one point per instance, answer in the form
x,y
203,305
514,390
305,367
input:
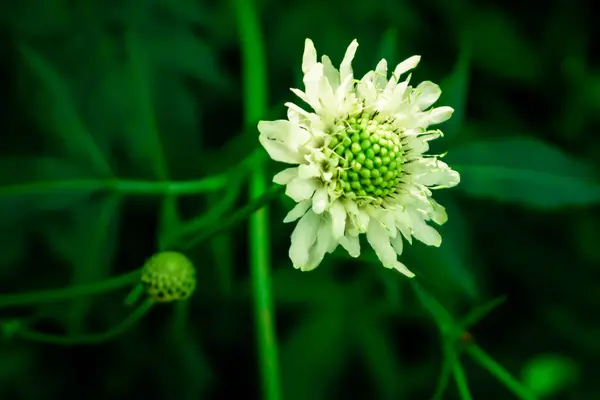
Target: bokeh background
x,y
109,105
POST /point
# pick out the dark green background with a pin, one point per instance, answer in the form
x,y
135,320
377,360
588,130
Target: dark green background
x,y
524,80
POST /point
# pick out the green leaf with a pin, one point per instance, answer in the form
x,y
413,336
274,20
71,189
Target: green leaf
x,y
500,49
388,47
185,10
13,239
549,374
524,171
448,268
87,239
63,116
314,355
455,88
375,344
175,48
141,74
179,116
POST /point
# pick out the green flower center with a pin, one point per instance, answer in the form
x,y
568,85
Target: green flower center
x,y
371,158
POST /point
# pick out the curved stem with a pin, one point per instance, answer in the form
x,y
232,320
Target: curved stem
x,y
130,278
92,338
56,295
123,186
500,373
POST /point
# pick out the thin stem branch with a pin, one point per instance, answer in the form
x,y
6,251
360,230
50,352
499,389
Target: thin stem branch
x,y
91,338
483,359
130,278
123,186
57,295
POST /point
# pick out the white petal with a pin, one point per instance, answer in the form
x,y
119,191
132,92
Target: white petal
x,y
425,233
402,268
296,115
320,200
380,76
397,244
436,173
406,65
301,189
346,65
298,211
307,171
351,244
283,140
331,73
437,116
302,95
366,88
426,94
438,213
324,244
286,176
379,240
404,224
303,237
309,58
338,219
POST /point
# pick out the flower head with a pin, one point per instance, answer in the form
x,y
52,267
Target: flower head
x,y
169,276
360,162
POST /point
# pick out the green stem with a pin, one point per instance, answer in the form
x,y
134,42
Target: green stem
x,y
57,295
130,278
500,373
122,186
255,106
443,380
92,338
461,380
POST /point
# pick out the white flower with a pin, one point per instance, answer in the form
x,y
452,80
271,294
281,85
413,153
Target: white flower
x,y
359,162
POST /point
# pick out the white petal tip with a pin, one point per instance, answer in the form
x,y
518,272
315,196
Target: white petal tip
x,y
402,269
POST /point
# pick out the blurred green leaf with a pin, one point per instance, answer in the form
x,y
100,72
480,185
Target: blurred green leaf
x,y
142,77
388,47
87,239
375,345
175,48
13,239
186,10
455,89
525,171
449,267
63,116
179,119
549,374
314,355
502,50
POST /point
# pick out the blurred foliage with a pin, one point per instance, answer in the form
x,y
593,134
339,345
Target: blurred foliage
x,y
109,105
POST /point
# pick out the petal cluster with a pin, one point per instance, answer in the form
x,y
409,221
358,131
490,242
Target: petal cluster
x,y
358,160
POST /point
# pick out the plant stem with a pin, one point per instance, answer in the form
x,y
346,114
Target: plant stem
x,y
92,338
500,373
461,380
129,278
255,102
123,186
56,295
